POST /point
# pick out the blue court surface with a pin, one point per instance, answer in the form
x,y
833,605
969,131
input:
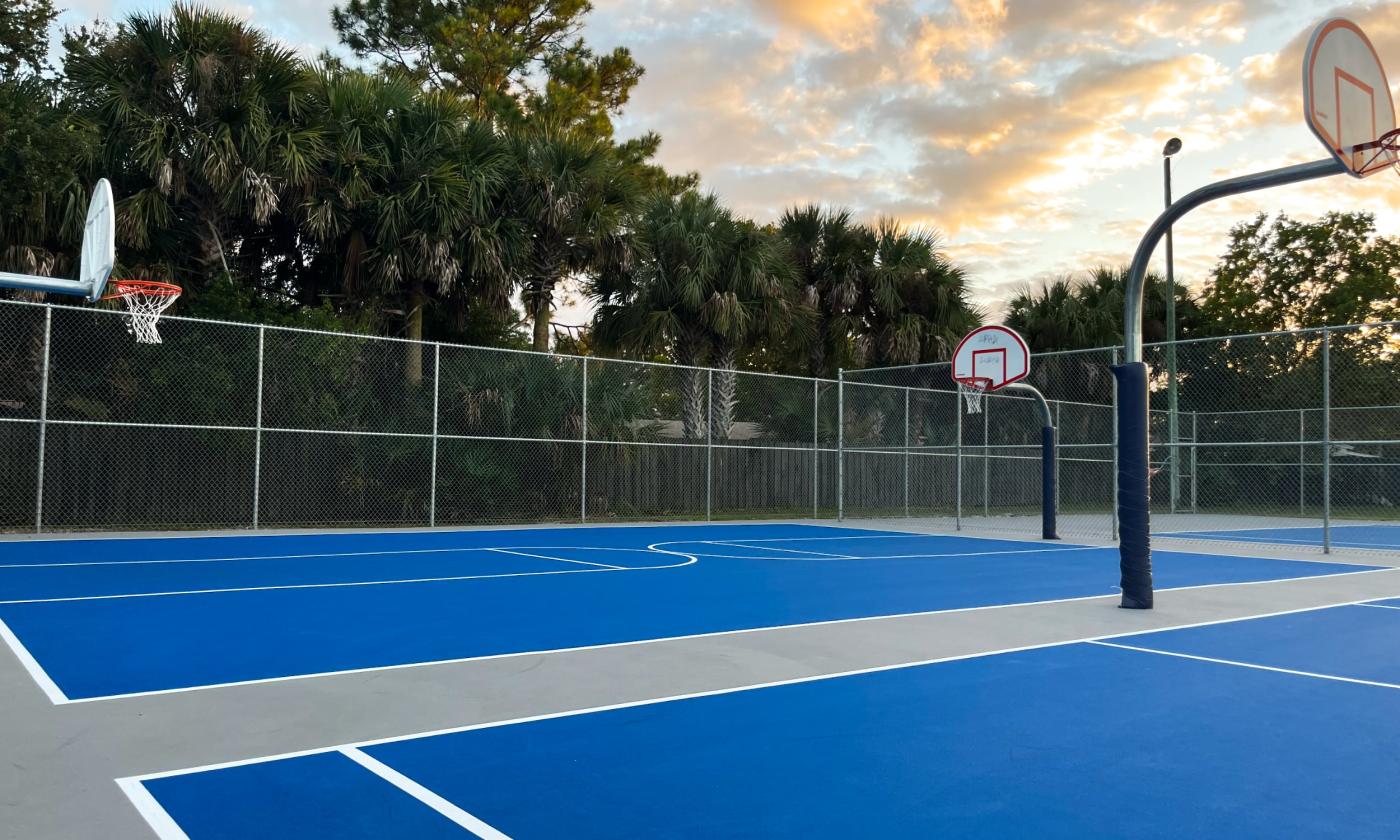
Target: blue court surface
x,y
1284,726
1380,537
94,619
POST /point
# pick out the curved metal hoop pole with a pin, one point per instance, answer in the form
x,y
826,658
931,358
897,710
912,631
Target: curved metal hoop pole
x,y
1048,455
1134,544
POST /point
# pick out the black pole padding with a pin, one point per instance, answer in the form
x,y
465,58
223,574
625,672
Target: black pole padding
x,y
1134,499
1047,483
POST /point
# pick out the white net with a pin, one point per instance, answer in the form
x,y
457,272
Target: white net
x,y
145,302
972,396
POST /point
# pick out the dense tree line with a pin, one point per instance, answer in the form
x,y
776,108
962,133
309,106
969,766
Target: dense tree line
x,y
466,166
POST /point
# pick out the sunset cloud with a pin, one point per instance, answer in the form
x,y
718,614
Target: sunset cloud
x,y
1028,131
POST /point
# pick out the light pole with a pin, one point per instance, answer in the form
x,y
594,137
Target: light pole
x,y
1173,438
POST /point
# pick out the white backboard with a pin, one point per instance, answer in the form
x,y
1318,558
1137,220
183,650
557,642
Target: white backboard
x,y
991,357
1346,96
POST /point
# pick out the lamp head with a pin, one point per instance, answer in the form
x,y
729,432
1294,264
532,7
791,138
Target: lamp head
x,y
1173,146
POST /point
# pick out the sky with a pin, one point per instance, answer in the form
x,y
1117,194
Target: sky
x,y
1027,133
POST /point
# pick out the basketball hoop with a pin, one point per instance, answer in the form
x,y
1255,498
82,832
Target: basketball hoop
x,y
145,301
972,391
1382,152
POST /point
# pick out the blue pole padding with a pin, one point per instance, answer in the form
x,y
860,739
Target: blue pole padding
x,y
1134,499
1047,483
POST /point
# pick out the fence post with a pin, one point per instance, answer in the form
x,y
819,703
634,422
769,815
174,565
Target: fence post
x,y
840,444
43,421
906,453
1302,462
1114,357
1195,439
709,440
816,447
432,469
583,450
1326,441
257,429
957,457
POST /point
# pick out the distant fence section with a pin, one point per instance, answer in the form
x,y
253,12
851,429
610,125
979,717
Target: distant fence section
x,y
235,426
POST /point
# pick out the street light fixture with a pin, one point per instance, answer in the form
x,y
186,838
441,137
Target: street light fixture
x,y
1173,429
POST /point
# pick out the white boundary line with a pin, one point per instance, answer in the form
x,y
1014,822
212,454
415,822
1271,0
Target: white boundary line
x,y
713,693
106,536
1250,665
155,815
819,554
351,583
393,552
1380,606
1217,536
739,631
452,812
36,671
561,559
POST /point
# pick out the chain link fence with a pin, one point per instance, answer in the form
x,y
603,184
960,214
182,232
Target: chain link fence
x,y
243,426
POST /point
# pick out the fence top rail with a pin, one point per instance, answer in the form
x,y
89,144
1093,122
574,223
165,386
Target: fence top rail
x,y
847,374
448,344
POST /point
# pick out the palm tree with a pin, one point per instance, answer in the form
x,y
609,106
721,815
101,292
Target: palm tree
x,y
833,257
915,305
403,204
571,196
198,113
702,285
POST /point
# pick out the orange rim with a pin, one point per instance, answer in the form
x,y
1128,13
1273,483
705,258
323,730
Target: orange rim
x,y
154,288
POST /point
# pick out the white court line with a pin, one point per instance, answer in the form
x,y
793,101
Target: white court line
x,y
713,693
402,666
1223,536
774,548
294,556
36,671
468,821
556,559
1379,606
1250,665
906,556
155,815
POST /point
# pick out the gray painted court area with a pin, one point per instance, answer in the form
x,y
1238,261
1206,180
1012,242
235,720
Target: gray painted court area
x,y
60,762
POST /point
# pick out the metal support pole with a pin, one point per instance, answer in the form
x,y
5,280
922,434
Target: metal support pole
x,y
840,444
257,430
43,421
906,453
986,456
816,447
1048,460
583,450
1114,506
709,439
1134,544
957,452
432,467
1057,456
1326,442
1173,431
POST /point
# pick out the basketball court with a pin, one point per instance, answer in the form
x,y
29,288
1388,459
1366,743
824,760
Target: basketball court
x,y
703,680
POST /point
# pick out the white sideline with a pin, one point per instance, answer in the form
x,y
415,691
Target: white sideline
x,y
1249,665
155,815
351,583
36,671
1380,606
468,821
296,556
740,631
715,692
